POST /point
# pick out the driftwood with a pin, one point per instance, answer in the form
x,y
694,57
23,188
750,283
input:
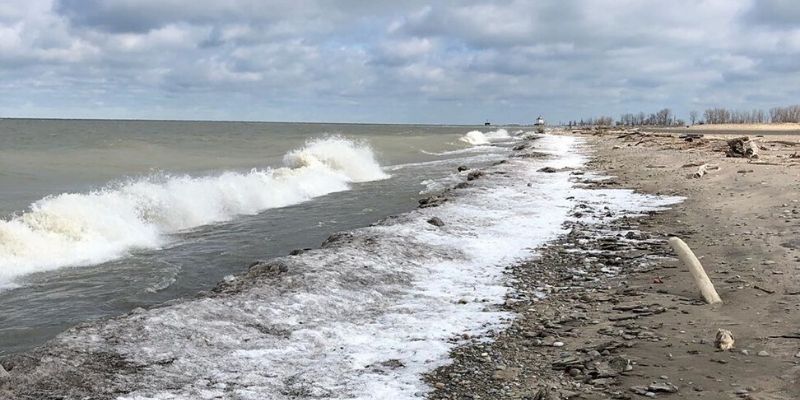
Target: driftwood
x,y
686,255
742,147
703,169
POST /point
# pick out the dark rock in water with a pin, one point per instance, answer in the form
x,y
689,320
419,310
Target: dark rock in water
x,y
474,175
433,201
499,162
462,168
549,170
520,147
436,221
336,238
461,185
296,252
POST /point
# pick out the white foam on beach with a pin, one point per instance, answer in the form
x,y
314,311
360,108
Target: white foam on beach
x,y
88,228
366,317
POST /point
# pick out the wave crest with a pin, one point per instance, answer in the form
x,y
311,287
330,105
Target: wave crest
x,y
88,228
478,138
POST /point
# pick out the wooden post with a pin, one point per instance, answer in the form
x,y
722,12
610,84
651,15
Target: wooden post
x,y
686,255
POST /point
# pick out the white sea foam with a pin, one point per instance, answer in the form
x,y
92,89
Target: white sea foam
x,y
88,228
478,138
365,318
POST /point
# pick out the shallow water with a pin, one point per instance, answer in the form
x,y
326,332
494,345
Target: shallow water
x,y
183,193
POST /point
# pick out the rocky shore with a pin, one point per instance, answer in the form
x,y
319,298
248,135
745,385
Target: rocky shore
x,y
608,312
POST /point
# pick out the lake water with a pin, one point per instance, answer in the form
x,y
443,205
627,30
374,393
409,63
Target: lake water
x,y
101,217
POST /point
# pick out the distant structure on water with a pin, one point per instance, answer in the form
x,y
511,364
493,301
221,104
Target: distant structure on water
x,y
487,123
539,125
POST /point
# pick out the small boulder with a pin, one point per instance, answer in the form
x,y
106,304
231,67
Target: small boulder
x,y
474,175
436,221
724,339
462,168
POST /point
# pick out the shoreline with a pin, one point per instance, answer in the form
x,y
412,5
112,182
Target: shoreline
x,y
311,312
626,323
645,333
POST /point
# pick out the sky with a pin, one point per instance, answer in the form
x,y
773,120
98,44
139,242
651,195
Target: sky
x,y
394,61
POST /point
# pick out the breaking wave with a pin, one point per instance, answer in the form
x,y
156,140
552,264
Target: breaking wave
x,y
478,138
72,229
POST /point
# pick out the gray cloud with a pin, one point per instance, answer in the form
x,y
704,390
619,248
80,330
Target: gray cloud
x,y
414,61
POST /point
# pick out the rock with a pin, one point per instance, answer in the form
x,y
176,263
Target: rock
x,y
797,355
724,340
548,170
296,252
742,147
474,175
462,168
558,344
3,372
763,353
436,221
268,268
665,387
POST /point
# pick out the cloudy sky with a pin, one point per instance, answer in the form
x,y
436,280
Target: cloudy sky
x,y
393,61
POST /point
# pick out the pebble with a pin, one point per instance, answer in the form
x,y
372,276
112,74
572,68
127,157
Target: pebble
x,y
797,355
558,344
763,353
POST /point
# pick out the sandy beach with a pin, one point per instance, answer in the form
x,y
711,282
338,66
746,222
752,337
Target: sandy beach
x,y
645,332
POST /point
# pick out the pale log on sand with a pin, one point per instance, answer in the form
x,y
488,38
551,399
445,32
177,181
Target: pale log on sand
x,y
686,255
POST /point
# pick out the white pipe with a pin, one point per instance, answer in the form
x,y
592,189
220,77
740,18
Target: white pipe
x,y
686,255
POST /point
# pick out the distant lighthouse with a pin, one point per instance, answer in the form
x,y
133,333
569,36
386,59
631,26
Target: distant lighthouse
x,y
539,124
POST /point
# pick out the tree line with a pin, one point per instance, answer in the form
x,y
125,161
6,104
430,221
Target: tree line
x,y
717,115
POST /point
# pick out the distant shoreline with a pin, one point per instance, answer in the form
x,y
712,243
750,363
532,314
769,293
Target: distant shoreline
x,y
762,129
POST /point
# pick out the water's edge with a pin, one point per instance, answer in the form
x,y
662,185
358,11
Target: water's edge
x,y
352,319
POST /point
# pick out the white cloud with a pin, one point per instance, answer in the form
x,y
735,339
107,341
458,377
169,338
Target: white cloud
x,y
446,61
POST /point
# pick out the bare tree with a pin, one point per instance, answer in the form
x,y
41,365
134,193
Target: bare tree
x,y
693,116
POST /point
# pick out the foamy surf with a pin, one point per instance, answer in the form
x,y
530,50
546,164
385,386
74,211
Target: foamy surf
x,y
478,138
354,318
73,229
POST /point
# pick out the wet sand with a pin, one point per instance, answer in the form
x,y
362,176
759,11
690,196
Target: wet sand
x,y
645,332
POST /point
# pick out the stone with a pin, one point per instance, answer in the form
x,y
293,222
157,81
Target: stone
x,y
462,168
797,355
558,344
724,339
3,372
548,170
474,175
763,353
436,221
664,387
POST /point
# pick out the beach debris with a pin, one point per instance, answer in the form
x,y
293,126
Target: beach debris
x,y
436,221
742,147
548,170
724,339
701,170
702,281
